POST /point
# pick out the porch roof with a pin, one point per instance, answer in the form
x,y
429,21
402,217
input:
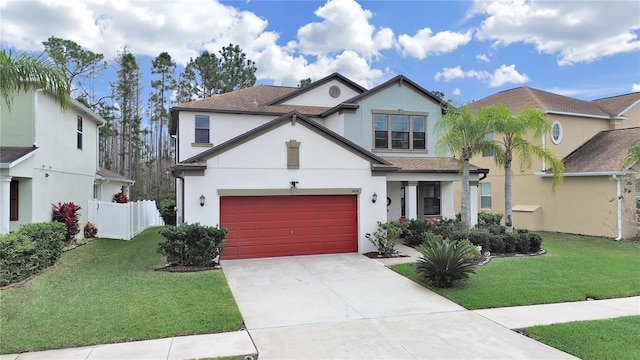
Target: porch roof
x,y
430,165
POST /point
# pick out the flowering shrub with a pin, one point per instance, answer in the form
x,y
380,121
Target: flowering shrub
x,y
120,198
90,230
68,214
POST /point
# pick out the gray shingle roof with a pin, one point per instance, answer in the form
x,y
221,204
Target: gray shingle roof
x,y
519,98
603,152
9,154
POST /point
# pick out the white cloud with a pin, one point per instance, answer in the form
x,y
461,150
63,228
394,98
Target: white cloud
x,y
424,43
482,57
185,28
503,75
635,87
456,92
575,31
345,26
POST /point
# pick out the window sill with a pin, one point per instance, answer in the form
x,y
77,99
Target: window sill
x,y
202,144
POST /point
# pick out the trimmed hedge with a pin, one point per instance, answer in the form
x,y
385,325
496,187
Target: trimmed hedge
x,y
30,249
489,234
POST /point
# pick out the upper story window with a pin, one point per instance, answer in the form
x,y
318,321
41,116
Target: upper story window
x,y
79,133
400,131
556,132
202,129
488,153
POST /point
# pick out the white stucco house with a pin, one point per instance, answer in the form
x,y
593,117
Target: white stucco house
x,y
49,155
293,171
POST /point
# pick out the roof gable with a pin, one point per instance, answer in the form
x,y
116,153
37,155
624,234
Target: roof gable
x,y
335,76
399,80
291,117
618,105
11,156
603,152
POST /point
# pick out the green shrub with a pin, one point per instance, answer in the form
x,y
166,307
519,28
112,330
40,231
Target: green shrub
x,y
416,228
29,250
49,239
167,208
384,238
535,242
487,219
443,263
510,240
18,258
191,244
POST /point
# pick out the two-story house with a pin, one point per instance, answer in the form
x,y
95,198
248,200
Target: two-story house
x,y
598,196
292,171
49,155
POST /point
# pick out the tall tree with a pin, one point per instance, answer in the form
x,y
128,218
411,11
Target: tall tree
x,y
78,64
164,67
305,82
24,72
633,156
519,136
210,74
462,133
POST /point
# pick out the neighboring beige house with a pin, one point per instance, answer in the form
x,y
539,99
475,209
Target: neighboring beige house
x,y
597,196
49,155
293,171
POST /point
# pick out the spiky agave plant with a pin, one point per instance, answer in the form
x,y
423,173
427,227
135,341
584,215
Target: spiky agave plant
x,y
445,262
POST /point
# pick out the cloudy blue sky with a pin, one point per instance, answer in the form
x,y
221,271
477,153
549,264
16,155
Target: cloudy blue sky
x,y
466,49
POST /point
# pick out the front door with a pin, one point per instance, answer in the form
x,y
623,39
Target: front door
x,y
431,194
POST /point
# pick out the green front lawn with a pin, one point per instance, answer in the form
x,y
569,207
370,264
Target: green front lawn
x,y
575,267
106,292
593,340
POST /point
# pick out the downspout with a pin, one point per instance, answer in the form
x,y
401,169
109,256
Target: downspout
x,y
619,206
173,173
544,145
98,146
35,117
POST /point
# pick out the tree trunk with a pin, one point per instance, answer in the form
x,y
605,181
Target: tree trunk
x,y
508,203
465,206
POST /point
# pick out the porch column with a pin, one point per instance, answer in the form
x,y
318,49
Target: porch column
x,y
411,199
5,201
473,191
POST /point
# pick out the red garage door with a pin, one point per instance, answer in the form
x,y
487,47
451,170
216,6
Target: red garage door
x,y
265,226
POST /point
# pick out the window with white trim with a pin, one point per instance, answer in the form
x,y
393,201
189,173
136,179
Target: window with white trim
x,y
400,131
556,132
485,195
79,133
488,153
202,129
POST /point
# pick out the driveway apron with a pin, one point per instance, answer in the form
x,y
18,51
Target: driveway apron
x,y
349,306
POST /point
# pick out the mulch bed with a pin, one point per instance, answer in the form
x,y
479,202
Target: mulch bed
x,y
180,268
376,255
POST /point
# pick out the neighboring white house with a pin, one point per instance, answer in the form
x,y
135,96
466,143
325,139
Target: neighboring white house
x,y
48,155
292,171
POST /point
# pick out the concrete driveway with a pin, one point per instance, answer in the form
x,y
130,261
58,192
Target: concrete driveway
x,y
348,306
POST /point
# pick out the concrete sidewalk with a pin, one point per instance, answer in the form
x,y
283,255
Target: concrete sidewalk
x,y
237,343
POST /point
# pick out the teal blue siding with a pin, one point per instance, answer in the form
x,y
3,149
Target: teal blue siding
x,y
358,127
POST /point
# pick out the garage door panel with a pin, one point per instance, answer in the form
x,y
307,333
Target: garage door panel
x,y
265,226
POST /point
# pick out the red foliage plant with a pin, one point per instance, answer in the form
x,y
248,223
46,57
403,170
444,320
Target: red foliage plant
x,y
68,214
120,198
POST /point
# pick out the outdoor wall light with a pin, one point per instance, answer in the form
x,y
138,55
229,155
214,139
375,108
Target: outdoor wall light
x,y
202,198
374,198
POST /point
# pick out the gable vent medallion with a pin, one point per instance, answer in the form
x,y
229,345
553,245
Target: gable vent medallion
x,y
334,91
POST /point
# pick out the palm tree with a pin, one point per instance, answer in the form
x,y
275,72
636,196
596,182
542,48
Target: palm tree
x,y
462,133
518,136
23,72
633,156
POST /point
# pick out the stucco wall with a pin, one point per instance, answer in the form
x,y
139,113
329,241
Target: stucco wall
x,y
16,125
261,164
358,127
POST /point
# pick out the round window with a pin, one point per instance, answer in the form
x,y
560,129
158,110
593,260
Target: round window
x,y
556,132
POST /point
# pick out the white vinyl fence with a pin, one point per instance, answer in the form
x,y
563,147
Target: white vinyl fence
x,y
123,221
